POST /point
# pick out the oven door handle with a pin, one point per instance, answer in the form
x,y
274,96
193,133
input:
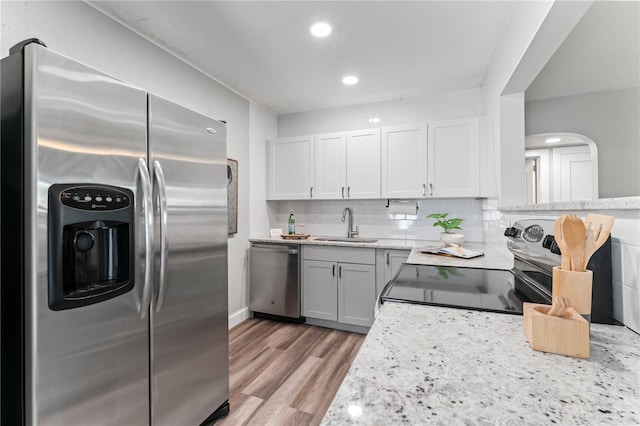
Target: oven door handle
x,y
531,283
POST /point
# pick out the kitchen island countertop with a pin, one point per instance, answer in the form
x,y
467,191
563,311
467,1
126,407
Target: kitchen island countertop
x,y
435,365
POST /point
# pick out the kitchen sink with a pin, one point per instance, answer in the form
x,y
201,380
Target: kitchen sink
x,y
346,240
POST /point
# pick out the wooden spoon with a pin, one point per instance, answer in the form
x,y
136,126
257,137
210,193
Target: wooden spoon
x,y
557,307
557,231
458,249
573,233
598,231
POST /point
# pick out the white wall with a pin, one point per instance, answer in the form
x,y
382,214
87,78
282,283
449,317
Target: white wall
x,y
79,31
611,120
533,33
535,30
263,126
437,106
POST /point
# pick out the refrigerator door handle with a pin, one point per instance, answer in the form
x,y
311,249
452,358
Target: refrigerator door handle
x,y
164,240
148,236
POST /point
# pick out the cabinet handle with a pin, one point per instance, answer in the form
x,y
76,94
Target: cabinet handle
x,y
333,270
343,192
424,189
348,192
387,258
311,192
430,189
339,271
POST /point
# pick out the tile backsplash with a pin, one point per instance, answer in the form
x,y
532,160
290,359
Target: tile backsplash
x,y
320,217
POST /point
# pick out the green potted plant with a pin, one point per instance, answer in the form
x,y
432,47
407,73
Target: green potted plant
x,y
449,235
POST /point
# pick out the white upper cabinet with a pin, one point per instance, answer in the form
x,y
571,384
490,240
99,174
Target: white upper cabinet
x,y
291,168
434,159
404,161
363,164
331,166
453,163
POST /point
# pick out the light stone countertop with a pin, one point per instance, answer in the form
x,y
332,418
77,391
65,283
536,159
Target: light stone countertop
x,y
493,258
622,203
433,365
384,243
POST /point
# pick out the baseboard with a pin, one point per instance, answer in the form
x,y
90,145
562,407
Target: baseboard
x,y
239,316
338,325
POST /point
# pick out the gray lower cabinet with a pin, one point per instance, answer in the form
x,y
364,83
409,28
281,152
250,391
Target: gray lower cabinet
x,y
320,281
356,293
388,261
339,284
393,261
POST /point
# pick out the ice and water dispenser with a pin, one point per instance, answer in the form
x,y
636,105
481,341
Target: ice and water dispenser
x,y
91,244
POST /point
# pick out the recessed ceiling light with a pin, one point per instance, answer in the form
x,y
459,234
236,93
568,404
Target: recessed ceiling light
x,y
321,29
350,80
553,140
374,119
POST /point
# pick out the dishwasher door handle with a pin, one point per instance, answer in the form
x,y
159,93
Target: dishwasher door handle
x,y
272,248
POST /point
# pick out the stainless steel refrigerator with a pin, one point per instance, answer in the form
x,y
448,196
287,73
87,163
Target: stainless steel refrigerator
x,y
114,251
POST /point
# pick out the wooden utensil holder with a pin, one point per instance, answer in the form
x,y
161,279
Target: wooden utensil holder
x,y
574,285
565,335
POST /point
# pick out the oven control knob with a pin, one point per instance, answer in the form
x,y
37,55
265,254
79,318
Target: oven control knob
x,y
548,240
511,232
554,247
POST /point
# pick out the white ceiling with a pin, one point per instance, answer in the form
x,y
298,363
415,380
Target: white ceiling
x,y
263,49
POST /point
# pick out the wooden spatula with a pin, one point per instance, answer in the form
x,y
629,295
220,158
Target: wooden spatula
x,y
598,230
573,233
557,231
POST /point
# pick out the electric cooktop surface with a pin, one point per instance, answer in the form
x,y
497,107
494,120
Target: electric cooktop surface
x,y
479,289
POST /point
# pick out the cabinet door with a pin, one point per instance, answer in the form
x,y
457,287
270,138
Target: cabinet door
x,y
404,161
363,164
453,158
575,174
393,260
291,168
331,166
320,289
356,293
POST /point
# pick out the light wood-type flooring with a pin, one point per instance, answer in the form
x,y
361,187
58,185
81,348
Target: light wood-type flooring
x,y
285,374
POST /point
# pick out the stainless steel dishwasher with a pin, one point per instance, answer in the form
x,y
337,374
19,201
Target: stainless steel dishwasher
x,y
274,280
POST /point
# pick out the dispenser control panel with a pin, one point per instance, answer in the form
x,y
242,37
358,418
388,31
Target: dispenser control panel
x,y
91,244
94,198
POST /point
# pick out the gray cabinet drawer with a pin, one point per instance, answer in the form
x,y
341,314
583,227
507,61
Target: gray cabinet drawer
x,y
366,256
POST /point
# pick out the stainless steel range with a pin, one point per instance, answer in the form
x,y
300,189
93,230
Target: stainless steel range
x,y
535,254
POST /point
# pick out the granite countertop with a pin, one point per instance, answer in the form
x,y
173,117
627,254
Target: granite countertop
x,y
493,258
434,365
384,243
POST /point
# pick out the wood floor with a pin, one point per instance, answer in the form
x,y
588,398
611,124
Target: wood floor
x,y
285,374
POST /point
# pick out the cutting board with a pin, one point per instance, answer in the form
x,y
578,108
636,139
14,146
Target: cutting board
x,y
295,236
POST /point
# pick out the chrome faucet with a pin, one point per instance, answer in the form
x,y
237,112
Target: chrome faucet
x,y
350,233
